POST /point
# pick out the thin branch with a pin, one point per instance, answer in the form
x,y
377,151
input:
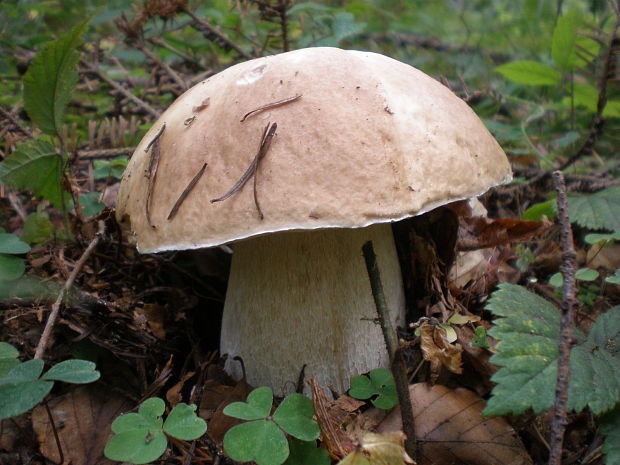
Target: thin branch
x,y
397,361
100,154
151,172
568,268
51,319
166,67
8,115
222,38
270,105
121,89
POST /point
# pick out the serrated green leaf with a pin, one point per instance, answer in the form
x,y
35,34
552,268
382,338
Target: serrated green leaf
x,y
564,39
10,243
294,415
50,79
530,73
73,371
258,405
136,446
183,423
11,267
8,358
34,165
610,428
527,351
600,210
306,453
261,441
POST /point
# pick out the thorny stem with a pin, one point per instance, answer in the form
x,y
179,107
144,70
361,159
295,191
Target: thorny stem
x,y
51,320
398,365
568,268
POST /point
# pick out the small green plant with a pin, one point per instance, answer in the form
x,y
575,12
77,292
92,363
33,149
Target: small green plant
x,y
142,437
262,438
22,386
528,330
11,267
379,383
479,338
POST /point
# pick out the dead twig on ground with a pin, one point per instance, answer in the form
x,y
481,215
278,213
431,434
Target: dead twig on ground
x,y
163,65
51,320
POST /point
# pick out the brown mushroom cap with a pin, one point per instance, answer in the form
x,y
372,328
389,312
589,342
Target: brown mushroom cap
x,y
370,140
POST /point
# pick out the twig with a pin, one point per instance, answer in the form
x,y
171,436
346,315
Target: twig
x,y
17,205
8,115
266,139
162,43
166,67
399,368
99,154
222,38
186,192
120,89
51,319
568,268
61,455
270,105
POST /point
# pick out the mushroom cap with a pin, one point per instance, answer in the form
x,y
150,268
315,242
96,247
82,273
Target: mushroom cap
x,y
370,140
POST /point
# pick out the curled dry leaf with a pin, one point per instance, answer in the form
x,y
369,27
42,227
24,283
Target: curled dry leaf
x,y
379,449
438,350
450,428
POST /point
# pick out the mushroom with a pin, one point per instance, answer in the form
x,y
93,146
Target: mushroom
x,y
362,141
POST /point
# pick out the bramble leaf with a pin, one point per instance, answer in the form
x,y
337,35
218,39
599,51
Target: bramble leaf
x,y
260,440
50,79
258,405
600,210
183,423
527,351
294,415
34,165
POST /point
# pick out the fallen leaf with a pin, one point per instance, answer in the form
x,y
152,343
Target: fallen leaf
x,y
437,349
173,395
219,396
379,449
450,429
82,417
479,232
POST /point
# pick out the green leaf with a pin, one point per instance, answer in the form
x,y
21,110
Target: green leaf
x,y
530,73
136,446
537,211
479,338
11,267
261,441
138,436
610,428
50,80
615,279
306,453
258,405
527,350
586,274
602,239
380,383
294,415
34,165
183,423
10,243
38,227
8,358
90,204
600,210
73,371
564,39
20,388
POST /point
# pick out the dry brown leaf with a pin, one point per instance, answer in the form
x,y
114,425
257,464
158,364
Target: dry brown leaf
x,y
450,429
479,232
216,396
379,449
82,417
173,395
438,350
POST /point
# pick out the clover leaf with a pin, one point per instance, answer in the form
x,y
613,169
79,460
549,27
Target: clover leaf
x,y
380,383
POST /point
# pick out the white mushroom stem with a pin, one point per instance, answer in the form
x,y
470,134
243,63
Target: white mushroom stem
x,y
303,298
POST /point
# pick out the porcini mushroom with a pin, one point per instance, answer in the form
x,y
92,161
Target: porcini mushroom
x,y
362,140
